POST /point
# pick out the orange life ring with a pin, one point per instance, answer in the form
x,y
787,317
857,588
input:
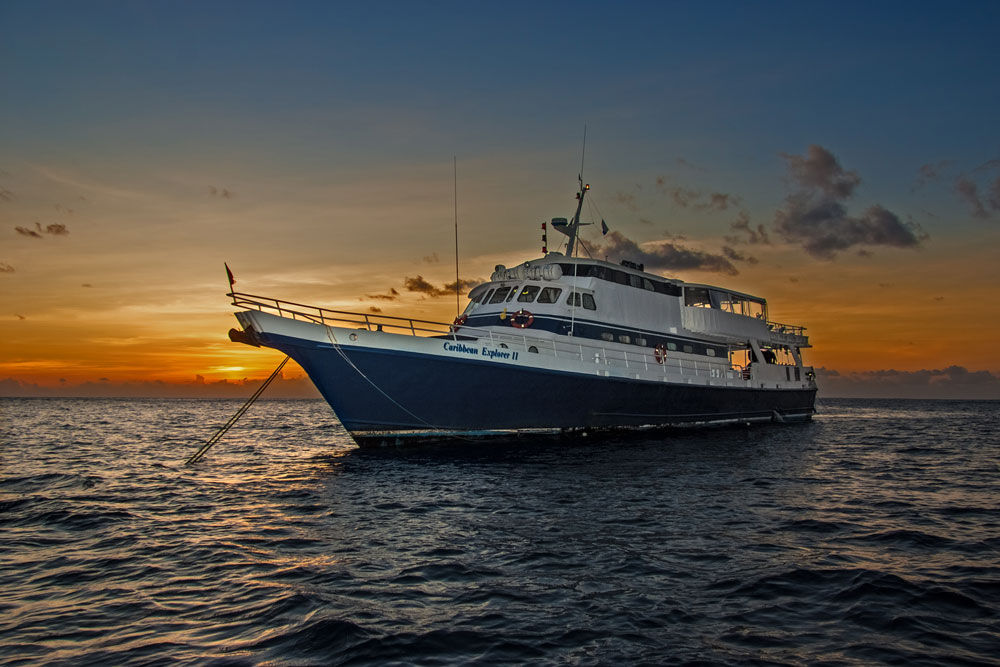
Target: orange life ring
x,y
459,321
660,352
522,319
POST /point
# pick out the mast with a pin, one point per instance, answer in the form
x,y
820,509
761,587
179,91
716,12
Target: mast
x,y
571,229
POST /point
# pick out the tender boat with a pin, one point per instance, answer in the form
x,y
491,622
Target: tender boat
x,y
559,344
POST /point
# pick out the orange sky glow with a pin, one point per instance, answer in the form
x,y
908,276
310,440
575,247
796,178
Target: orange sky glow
x,y
131,170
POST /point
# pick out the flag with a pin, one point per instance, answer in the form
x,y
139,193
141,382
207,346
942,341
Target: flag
x,y
230,275
604,228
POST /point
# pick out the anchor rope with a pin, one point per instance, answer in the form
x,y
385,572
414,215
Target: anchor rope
x,y
197,456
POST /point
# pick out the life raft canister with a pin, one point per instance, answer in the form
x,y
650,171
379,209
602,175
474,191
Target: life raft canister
x,y
522,319
660,352
459,321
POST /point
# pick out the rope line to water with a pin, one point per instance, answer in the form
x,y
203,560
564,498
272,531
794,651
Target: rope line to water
x,y
197,456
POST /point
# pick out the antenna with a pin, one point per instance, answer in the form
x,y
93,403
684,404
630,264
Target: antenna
x,y
458,298
583,155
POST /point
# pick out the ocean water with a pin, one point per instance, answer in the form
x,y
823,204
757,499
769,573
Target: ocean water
x,y
870,535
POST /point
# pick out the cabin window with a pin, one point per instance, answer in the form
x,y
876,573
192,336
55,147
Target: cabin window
x,y
641,341
697,297
672,347
549,295
532,348
709,351
510,297
499,295
608,336
688,349
647,284
635,281
581,300
527,294
624,338
486,298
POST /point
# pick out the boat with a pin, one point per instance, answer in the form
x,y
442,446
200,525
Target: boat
x,y
558,345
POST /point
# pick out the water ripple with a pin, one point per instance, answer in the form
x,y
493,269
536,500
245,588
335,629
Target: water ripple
x,y
869,535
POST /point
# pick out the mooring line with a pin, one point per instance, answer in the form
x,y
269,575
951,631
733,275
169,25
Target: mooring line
x,y
232,420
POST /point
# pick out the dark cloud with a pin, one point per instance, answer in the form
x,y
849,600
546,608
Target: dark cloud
x,y
754,235
738,256
421,286
432,258
33,233
982,206
374,309
221,192
20,317
391,296
816,218
954,382
281,387
690,198
462,284
663,255
969,191
627,199
930,172
820,170
6,268
55,229
6,195
86,285
793,279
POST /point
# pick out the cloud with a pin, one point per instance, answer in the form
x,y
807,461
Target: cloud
x,y
690,198
663,255
738,256
6,268
627,199
34,233
930,172
220,192
55,229
819,169
753,235
281,388
6,195
374,309
816,218
421,286
969,191
954,382
432,258
86,285
391,296
20,317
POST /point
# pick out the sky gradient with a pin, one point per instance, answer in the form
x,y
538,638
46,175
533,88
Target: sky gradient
x,y
840,160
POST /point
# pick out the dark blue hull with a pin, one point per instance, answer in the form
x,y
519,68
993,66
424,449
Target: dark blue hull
x,y
385,395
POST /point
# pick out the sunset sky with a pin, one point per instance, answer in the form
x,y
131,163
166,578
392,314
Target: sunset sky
x,y
840,159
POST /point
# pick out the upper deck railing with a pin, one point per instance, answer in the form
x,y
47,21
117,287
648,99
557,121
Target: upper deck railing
x,y
339,318
641,359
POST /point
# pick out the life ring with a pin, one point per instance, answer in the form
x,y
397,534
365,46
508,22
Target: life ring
x,y
459,321
660,352
522,319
